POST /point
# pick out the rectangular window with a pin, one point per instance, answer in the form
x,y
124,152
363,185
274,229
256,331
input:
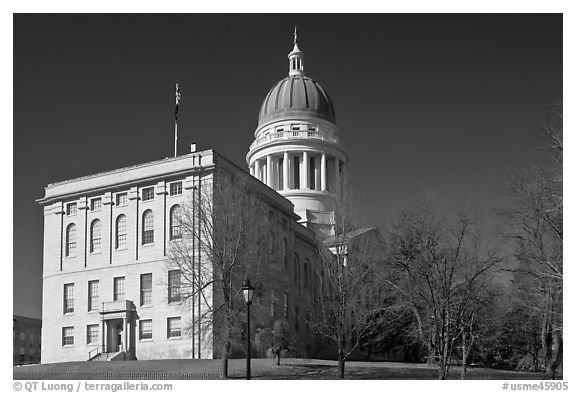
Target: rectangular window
x,y
96,204
93,298
296,318
68,298
285,306
174,327
71,209
174,280
296,173
176,188
312,174
122,199
145,289
273,304
146,329
68,335
148,193
92,332
118,288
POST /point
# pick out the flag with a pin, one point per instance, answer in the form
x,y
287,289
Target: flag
x,y
178,98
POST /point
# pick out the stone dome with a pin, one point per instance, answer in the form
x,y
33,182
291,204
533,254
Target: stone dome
x,y
296,96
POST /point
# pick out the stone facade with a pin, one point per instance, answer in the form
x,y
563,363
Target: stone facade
x,y
105,277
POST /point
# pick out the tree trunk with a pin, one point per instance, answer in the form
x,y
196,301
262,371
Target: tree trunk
x,y
464,356
225,366
556,354
278,358
341,364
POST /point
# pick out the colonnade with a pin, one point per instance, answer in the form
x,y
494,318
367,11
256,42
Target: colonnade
x,y
302,170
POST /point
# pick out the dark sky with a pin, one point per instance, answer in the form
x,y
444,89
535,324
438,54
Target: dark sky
x,y
439,102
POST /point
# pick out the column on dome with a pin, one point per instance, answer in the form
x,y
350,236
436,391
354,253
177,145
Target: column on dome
x,y
257,169
252,170
323,172
269,170
316,173
336,175
285,171
304,170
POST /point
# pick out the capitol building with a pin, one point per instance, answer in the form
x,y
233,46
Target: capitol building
x,y
108,291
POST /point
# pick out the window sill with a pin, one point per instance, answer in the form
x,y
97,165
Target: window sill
x,y
175,338
96,311
145,340
70,257
147,200
68,346
148,245
69,314
120,249
146,306
96,253
92,344
175,303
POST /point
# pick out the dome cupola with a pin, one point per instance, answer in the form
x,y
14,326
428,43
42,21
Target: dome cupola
x,y
297,150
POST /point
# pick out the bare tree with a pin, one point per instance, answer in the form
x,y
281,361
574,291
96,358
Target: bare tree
x,y
535,222
280,338
440,271
351,301
224,237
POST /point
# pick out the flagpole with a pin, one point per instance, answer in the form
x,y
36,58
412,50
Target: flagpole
x,y
176,121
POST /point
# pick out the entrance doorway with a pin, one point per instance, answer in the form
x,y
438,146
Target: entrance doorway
x,y
115,335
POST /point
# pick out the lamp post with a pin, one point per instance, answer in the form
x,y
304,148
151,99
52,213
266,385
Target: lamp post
x,y
248,291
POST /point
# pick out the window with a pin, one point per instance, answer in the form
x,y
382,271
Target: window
x,y
296,318
296,270
176,222
146,329
118,288
148,193
92,332
273,304
285,253
176,188
145,289
71,240
174,327
306,273
174,277
96,204
93,297
68,298
148,227
121,232
95,237
122,199
312,174
71,209
285,306
68,335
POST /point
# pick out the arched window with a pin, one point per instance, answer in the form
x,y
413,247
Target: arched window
x,y
121,232
148,227
95,237
306,273
296,270
71,240
285,252
176,222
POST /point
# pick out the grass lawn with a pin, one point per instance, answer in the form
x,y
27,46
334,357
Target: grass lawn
x,y
261,369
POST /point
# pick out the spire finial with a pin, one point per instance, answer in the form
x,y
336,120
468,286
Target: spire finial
x,y
295,34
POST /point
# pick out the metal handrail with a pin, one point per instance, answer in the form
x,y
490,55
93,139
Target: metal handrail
x,y
98,351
